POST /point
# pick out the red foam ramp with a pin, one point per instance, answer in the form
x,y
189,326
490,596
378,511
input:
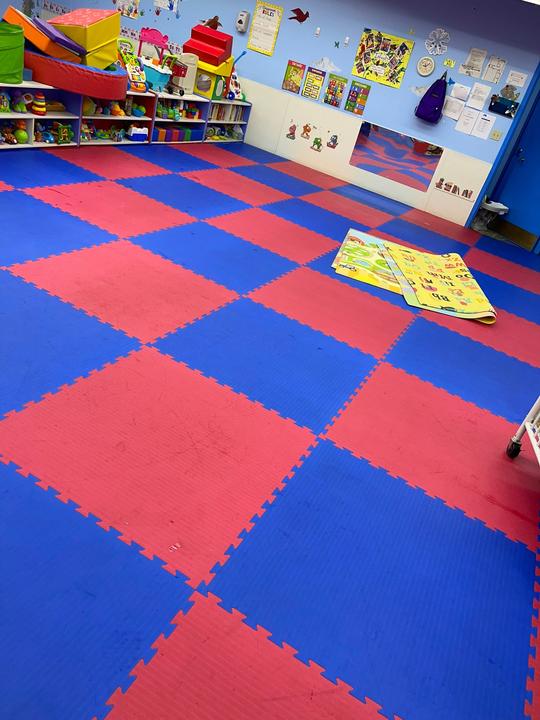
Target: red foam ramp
x,y
213,37
207,53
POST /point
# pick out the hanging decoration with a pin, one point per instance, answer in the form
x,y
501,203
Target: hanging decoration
x,y
437,41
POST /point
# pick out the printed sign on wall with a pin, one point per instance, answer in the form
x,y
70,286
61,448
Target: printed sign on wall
x,y
357,98
313,83
294,73
335,89
382,58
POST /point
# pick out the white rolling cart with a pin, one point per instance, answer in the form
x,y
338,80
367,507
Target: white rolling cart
x,y
531,425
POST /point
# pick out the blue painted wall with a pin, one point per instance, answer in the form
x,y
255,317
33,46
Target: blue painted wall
x,y
508,29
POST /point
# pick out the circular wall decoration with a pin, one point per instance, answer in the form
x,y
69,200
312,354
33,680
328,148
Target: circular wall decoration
x,y
425,66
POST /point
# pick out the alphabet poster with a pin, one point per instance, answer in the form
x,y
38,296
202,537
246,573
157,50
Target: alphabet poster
x,y
382,58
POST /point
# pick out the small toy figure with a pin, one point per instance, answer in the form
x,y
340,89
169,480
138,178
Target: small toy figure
x,y
291,135
89,106
55,106
116,110
117,134
17,103
8,135
86,134
306,131
317,144
332,143
38,106
4,102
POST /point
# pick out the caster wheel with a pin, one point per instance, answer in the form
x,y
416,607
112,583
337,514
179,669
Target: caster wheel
x,y
513,449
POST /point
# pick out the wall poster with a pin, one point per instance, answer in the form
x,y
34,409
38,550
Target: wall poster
x,y
294,74
313,84
357,98
382,58
265,27
335,89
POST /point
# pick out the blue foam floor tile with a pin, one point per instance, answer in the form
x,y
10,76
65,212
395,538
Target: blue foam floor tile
x,y
510,252
218,255
31,229
432,241
185,195
490,379
168,158
393,207
46,343
288,367
314,218
508,297
277,180
323,265
414,605
35,168
80,609
250,152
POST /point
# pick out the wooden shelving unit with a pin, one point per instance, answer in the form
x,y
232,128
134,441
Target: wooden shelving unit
x,y
214,121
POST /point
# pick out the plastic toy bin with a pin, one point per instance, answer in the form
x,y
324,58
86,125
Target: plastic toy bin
x,y
11,53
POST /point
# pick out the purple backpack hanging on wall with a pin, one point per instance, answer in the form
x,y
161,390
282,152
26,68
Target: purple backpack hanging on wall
x,y
431,105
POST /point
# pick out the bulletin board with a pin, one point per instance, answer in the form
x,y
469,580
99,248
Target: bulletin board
x,y
382,58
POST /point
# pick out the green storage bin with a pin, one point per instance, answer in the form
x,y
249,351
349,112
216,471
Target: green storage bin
x,y
11,53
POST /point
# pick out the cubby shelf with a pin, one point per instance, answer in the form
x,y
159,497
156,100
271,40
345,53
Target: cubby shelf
x,y
195,129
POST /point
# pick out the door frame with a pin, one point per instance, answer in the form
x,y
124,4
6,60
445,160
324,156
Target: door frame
x,y
531,96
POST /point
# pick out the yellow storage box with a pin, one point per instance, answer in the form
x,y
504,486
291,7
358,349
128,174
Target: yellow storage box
x,y
211,80
96,30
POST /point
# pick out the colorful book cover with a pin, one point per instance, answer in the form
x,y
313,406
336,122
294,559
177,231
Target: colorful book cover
x,y
361,257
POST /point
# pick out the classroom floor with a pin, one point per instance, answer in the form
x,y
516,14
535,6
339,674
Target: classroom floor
x,y
236,485
390,155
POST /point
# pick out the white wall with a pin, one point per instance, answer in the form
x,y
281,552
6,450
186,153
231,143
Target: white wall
x,y
275,111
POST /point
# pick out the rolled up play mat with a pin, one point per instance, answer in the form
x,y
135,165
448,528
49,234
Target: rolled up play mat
x,y
11,53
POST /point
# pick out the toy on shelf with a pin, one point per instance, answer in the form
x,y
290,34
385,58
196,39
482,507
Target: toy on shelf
x,y
42,135
234,89
89,106
5,102
117,134
17,103
116,110
136,133
8,136
151,36
20,132
157,74
130,62
45,37
96,30
63,134
55,106
183,69
38,106
86,132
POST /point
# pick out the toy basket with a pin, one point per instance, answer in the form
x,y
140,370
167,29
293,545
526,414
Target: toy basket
x,y
11,53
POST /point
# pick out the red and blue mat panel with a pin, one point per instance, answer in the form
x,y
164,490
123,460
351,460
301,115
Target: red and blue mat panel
x,y
235,484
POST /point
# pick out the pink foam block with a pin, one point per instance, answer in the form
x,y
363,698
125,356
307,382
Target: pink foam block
x,y
511,334
127,287
119,210
109,162
171,459
276,234
441,226
5,186
302,172
346,313
451,448
213,154
214,660
237,186
356,212
505,270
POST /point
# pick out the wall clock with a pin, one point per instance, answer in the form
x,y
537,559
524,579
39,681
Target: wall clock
x,y
425,66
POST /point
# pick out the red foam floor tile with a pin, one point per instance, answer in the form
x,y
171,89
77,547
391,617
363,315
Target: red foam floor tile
x,y
276,234
171,459
511,334
452,449
237,186
532,707
441,226
5,186
347,314
302,172
119,210
213,660
109,162
128,287
216,155
355,211
504,270
404,179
